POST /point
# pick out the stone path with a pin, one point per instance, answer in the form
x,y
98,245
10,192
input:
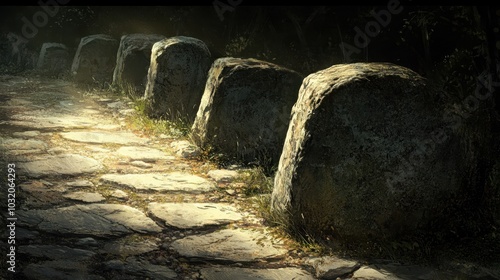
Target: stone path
x,y
97,200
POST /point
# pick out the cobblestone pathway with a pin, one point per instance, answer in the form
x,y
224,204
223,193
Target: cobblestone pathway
x,y
98,201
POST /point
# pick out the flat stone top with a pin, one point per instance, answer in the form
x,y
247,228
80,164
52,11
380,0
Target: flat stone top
x,y
66,164
101,220
174,182
341,74
245,63
233,273
103,137
235,245
188,215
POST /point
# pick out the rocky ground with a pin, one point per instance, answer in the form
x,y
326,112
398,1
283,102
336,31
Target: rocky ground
x,y
97,200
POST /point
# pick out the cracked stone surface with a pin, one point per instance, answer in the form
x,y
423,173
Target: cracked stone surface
x,y
85,197
103,137
165,182
132,266
56,252
126,247
59,270
223,176
21,144
188,215
235,245
67,164
231,273
143,154
101,220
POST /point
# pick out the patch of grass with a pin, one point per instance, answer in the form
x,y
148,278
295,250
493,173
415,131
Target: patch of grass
x,y
258,189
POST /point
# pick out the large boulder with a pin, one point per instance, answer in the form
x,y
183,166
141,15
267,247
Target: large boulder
x,y
132,61
95,60
54,59
176,78
373,152
245,109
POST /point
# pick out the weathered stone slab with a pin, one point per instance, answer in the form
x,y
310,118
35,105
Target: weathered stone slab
x,y
176,78
27,134
103,137
366,272
101,220
332,267
245,109
231,273
188,215
185,149
223,176
163,182
10,144
85,197
80,184
56,252
59,270
54,59
39,120
132,61
235,245
371,154
67,164
95,60
143,154
141,268
126,247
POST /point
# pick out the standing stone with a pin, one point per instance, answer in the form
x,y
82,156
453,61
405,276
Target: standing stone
x,y
54,59
132,61
176,78
95,60
369,154
245,110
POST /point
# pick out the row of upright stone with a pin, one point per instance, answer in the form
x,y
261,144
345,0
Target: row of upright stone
x,y
369,150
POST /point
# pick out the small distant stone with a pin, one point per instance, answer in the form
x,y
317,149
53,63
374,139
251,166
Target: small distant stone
x,y
230,191
85,197
87,241
332,267
223,176
366,272
141,164
185,149
115,105
119,194
80,184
